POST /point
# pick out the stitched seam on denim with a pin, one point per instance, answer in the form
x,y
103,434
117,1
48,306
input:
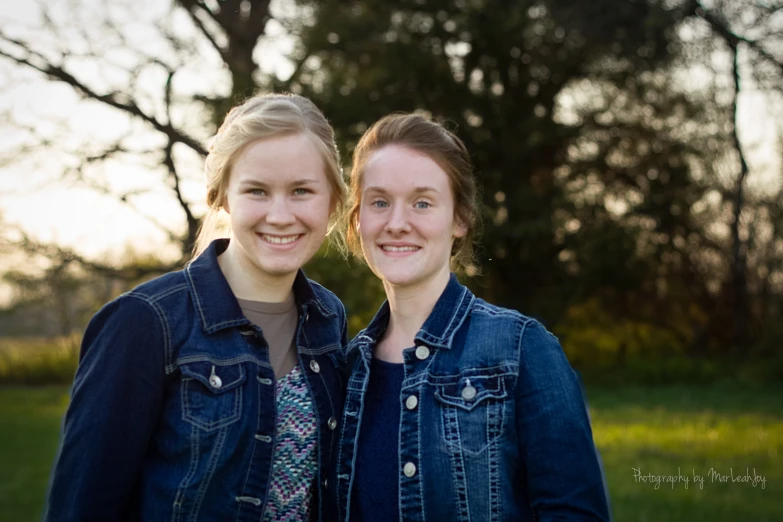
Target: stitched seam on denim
x,y
494,466
462,313
494,311
221,362
459,476
168,367
210,426
225,324
189,475
492,435
320,350
440,380
355,439
196,299
251,461
161,294
326,311
213,461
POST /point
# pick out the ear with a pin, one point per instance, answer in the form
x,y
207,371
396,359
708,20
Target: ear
x,y
224,205
460,229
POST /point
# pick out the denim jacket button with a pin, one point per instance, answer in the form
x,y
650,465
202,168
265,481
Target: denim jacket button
x,y
409,469
215,381
468,392
411,402
314,366
331,423
422,352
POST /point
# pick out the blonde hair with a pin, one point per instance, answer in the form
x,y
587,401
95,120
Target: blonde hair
x,y
439,144
261,117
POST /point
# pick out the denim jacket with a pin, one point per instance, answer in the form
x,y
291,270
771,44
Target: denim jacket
x,y
493,423
172,414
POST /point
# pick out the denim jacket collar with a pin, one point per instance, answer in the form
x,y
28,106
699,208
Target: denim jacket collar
x,y
215,303
438,330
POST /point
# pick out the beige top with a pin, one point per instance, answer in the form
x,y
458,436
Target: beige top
x,y
278,323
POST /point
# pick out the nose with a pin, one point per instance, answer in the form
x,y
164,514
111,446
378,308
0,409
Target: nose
x,y
280,213
398,220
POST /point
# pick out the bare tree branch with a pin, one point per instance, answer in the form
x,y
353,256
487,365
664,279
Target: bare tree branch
x,y
57,73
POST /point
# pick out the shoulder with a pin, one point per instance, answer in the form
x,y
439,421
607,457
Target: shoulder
x,y
160,287
511,326
329,303
145,306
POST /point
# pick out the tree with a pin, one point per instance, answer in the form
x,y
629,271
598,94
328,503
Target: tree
x,y
602,168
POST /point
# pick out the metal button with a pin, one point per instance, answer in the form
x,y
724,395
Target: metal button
x,y
214,380
409,469
468,392
314,366
331,423
422,352
411,402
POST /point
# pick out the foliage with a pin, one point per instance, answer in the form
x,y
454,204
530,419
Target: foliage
x,y
30,361
616,190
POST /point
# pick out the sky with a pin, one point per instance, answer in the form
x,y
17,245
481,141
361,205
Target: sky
x,y
33,198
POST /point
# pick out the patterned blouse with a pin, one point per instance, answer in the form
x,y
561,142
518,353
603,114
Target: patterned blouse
x,y
295,465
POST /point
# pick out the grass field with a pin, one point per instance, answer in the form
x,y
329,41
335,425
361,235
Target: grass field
x,y
654,430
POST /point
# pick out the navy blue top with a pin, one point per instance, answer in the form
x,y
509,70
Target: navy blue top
x,y
377,455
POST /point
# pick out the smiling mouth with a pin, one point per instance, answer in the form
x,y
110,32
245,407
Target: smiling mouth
x,y
280,240
389,248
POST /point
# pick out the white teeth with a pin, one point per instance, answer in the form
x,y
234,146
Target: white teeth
x,y
280,240
388,248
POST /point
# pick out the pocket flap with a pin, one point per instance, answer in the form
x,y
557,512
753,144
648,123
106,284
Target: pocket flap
x,y
469,392
215,378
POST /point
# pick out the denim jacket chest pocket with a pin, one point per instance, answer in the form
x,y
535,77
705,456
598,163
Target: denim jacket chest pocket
x,y
472,410
212,394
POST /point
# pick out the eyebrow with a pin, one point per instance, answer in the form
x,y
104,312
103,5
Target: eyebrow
x,y
295,183
417,190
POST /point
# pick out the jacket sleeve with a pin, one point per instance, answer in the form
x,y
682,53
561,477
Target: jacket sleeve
x,y
564,477
116,402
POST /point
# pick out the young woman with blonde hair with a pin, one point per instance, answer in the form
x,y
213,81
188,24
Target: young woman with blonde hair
x,y
456,409
212,393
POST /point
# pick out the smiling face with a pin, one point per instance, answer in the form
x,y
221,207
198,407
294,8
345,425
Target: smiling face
x,y
406,218
279,200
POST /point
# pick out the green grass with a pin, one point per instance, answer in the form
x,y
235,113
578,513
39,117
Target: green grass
x,y
656,430
685,430
30,420
32,361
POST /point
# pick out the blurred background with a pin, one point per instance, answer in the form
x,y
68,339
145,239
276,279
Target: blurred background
x,y
630,154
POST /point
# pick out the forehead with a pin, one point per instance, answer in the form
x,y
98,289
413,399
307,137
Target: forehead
x,y
398,166
281,158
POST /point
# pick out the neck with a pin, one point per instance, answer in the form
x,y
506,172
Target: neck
x,y
409,306
248,282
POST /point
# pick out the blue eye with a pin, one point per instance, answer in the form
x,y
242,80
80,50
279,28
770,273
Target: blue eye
x,y
257,192
422,204
379,203
301,191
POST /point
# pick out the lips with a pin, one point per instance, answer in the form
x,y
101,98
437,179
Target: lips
x,y
400,248
280,240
